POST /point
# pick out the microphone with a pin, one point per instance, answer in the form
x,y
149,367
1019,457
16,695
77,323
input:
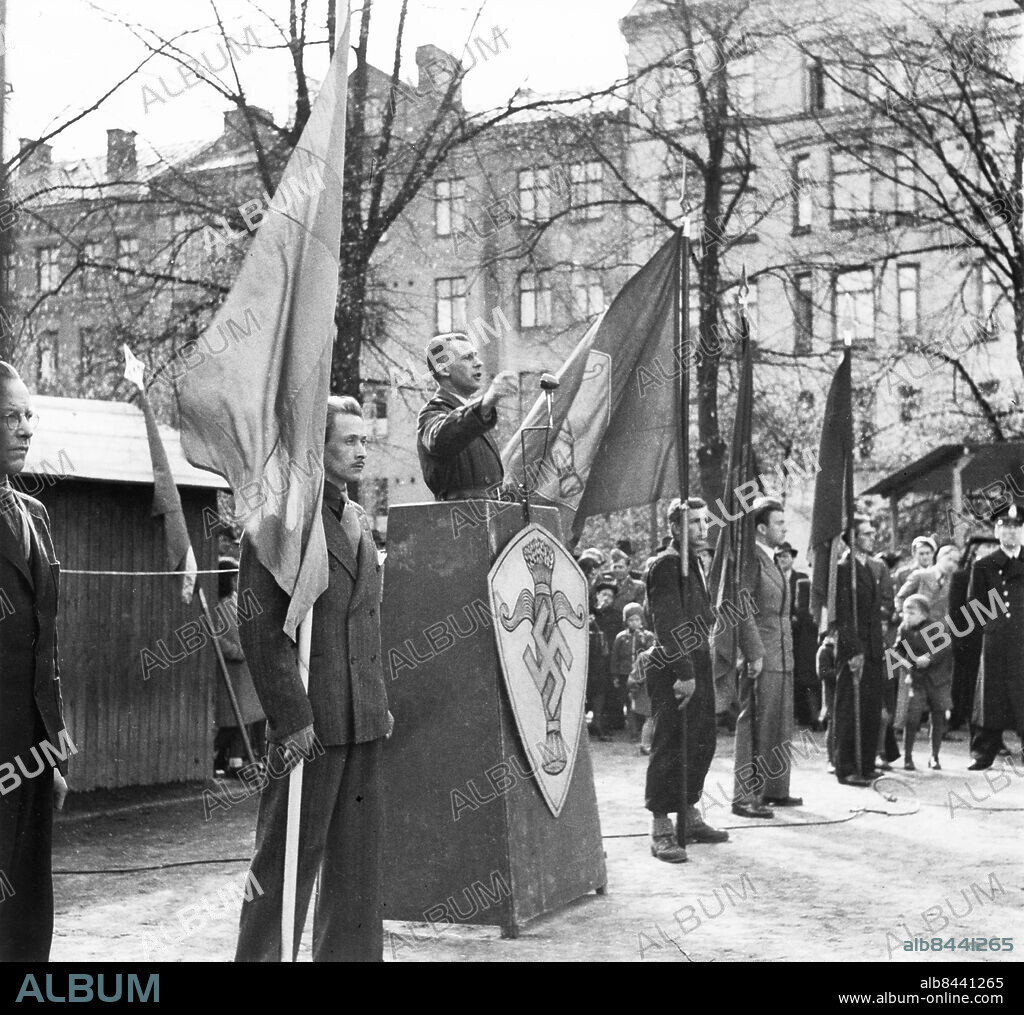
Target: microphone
x,y
548,382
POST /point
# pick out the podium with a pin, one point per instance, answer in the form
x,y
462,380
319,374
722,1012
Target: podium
x,y
469,836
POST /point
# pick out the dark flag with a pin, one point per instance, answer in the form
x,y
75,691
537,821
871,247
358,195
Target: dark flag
x,y
166,499
833,492
734,562
615,413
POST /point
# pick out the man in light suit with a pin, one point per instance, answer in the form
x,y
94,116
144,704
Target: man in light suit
x,y
33,740
458,454
763,759
342,721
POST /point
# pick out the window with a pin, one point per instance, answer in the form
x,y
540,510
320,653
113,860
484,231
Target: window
x,y
450,304
805,403
534,195
586,190
47,269
47,357
803,194
89,277
87,350
851,187
449,207
908,284
910,402
743,84
375,411
587,292
814,87
864,414
381,503
854,305
989,296
803,315
127,253
743,217
906,195
534,299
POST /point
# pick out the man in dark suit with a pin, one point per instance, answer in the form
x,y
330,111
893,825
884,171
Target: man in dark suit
x,y
997,586
681,687
859,657
34,744
458,453
343,715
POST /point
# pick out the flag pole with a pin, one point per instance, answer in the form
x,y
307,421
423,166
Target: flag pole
x,y
682,327
294,817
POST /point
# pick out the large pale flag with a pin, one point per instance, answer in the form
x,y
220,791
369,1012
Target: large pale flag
x,y
254,399
615,414
832,514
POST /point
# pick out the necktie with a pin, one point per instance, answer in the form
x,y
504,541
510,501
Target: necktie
x,y
15,517
350,525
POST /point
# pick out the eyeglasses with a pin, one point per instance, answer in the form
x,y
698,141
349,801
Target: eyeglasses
x,y
13,420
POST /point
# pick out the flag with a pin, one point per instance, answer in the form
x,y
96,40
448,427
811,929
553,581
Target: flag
x,y
734,562
166,500
832,514
615,421
254,397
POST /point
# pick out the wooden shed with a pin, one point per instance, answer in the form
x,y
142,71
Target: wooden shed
x,y
134,722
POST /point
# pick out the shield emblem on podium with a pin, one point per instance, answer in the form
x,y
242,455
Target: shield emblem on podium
x,y
540,608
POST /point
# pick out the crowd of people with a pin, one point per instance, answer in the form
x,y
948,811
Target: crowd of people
x,y
902,650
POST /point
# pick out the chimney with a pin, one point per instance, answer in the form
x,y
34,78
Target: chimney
x,y
436,70
121,162
40,157
236,127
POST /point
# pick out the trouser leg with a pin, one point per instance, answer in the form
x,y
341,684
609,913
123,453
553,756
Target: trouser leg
x,y
347,923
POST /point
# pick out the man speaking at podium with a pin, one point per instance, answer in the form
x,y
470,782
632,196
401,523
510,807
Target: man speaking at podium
x,y
458,454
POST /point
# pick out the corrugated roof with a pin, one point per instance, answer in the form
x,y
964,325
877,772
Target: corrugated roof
x,y
83,438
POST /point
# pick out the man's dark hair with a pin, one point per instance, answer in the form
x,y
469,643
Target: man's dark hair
x,y
344,405
765,509
7,372
675,509
228,568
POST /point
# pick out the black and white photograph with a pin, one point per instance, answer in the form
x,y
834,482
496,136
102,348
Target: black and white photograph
x,y
512,481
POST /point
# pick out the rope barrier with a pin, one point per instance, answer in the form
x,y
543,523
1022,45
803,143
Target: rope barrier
x,y
143,574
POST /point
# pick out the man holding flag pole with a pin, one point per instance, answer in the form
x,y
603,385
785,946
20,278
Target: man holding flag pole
x,y
845,593
257,413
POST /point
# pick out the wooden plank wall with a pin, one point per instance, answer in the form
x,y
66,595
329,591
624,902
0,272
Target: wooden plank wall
x,y
130,731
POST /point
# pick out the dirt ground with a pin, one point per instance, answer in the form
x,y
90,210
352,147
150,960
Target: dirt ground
x,y
849,876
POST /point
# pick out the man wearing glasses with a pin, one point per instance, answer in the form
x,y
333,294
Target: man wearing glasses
x,y
31,712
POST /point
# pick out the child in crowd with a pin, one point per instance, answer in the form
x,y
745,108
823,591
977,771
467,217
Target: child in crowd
x,y
625,653
927,680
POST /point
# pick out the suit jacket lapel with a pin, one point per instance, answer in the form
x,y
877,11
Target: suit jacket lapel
x,y
337,542
10,547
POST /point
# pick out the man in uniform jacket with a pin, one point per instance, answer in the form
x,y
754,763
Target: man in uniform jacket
x,y
762,759
341,722
681,687
859,652
966,649
34,744
458,454
997,585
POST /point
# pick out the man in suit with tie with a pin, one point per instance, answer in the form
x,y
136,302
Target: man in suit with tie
x,y
341,721
763,759
860,648
458,454
34,744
